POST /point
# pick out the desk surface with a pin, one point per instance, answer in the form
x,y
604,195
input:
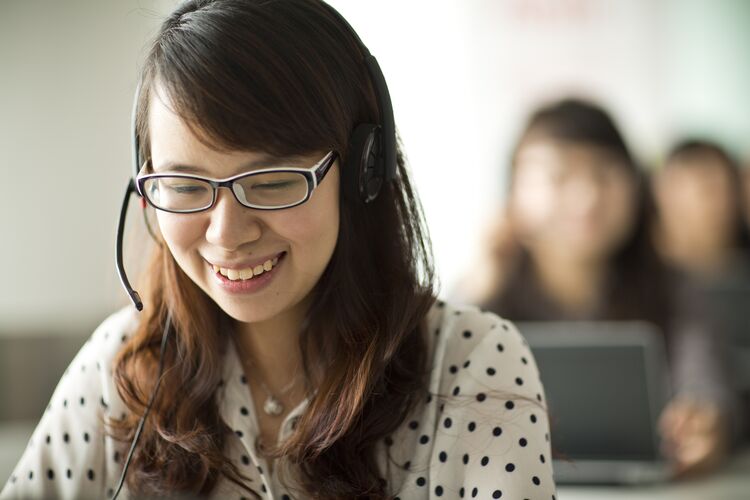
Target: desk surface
x,y
731,482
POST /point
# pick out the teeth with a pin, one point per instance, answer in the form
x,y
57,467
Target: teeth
x,y
250,272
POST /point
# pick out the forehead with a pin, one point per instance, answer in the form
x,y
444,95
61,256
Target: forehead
x,y
704,160
176,148
563,154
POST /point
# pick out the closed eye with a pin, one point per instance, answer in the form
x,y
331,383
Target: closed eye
x,y
188,189
273,185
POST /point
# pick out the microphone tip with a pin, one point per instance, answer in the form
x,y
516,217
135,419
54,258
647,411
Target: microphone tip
x,y
136,300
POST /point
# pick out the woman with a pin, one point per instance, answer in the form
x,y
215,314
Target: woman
x,y
307,356
701,229
573,243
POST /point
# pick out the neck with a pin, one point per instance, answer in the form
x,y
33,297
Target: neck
x,y
574,283
269,349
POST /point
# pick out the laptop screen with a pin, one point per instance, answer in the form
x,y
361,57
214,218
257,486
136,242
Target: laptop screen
x,y
600,396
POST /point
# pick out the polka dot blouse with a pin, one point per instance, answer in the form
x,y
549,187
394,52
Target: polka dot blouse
x,y
480,432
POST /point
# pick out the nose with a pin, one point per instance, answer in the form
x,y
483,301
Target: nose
x,y
231,225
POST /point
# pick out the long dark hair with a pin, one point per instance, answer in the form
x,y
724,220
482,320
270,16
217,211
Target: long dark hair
x,y
635,287
283,77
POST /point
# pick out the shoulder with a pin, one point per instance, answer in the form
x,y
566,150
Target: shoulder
x,y
480,354
114,331
87,387
491,427
66,454
100,351
449,316
94,359
92,364
467,333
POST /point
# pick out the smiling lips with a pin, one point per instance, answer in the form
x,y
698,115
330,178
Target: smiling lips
x,y
247,273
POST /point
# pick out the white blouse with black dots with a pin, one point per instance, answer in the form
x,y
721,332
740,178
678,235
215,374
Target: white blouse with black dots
x,y
482,431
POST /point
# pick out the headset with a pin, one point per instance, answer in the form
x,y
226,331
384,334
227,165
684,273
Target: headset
x,y
371,161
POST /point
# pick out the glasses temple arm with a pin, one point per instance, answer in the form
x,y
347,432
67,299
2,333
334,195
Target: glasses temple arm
x,y
321,171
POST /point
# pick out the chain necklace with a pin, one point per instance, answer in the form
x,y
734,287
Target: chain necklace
x,y
272,405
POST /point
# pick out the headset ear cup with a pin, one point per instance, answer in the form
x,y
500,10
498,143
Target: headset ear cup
x,y
363,175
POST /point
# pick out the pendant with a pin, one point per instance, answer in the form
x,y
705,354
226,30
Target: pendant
x,y
272,406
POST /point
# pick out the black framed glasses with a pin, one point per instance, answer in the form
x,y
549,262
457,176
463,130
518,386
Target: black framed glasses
x,y
263,189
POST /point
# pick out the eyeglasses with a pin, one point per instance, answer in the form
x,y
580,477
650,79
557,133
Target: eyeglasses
x,y
264,189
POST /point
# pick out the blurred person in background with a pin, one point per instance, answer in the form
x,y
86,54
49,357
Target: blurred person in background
x,y
701,226
573,243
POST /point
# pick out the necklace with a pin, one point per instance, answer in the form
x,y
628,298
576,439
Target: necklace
x,y
272,406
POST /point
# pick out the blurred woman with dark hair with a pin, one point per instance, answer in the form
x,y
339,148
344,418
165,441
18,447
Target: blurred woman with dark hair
x,y
701,229
304,353
573,243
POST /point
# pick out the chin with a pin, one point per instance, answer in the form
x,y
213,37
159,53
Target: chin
x,y
249,313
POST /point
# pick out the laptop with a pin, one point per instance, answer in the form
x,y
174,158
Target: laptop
x,y
606,385
728,309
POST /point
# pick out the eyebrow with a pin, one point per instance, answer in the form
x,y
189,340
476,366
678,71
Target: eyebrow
x,y
263,161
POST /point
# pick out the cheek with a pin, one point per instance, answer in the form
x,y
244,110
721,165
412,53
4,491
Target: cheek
x,y
180,232
714,201
533,206
312,228
307,229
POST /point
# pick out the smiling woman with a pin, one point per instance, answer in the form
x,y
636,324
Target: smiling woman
x,y
290,343
221,231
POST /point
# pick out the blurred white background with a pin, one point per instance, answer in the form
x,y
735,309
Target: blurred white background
x,y
462,73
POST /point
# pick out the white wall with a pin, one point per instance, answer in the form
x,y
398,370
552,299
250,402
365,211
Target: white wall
x,y
67,75
462,74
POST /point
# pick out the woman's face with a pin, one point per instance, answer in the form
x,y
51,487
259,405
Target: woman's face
x,y
572,198
229,235
696,202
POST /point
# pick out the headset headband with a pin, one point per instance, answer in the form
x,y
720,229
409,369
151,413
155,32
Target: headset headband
x,y
382,96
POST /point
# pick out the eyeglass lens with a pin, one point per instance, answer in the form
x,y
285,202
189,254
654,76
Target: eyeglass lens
x,y
272,189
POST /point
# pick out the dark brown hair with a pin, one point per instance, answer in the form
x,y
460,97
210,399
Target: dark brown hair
x,y
286,78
